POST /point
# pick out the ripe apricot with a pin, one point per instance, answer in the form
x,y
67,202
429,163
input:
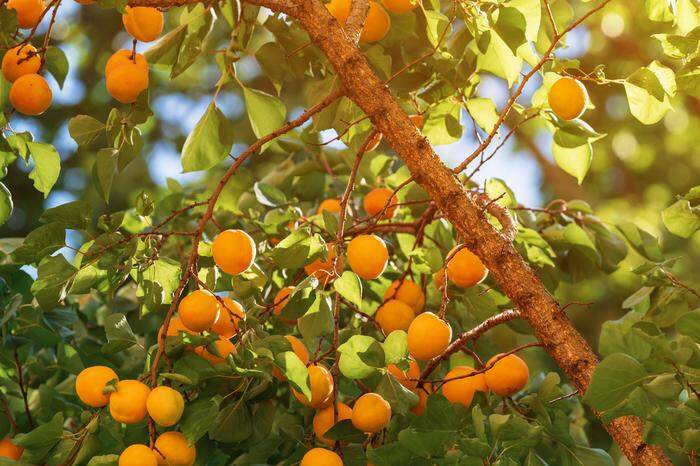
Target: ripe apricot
x,y
125,57
143,23
465,269
230,312
199,310
321,383
568,98
165,406
126,82
423,394
28,11
408,378
10,450
223,346
234,251
321,457
19,61
281,300
323,420
331,205
461,389
439,278
409,292
31,95
394,315
128,403
175,328
371,413
323,269
368,256
173,449
400,6
299,349
138,455
376,25
428,336
375,201
91,382
507,375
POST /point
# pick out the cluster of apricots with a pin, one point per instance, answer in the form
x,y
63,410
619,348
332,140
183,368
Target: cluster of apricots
x,y
378,21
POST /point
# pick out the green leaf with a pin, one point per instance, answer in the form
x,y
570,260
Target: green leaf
x,y
209,142
104,171
318,320
157,283
85,129
591,457
40,243
689,324
613,380
6,205
498,190
295,371
442,123
642,242
399,397
199,23
573,160
53,275
681,219
395,346
351,363
500,60
232,424
649,90
47,166
484,113
265,112
75,215
42,439
269,195
104,460
198,418
349,287
119,334
57,64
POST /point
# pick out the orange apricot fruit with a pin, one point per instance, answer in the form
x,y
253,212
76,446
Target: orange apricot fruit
x,y
29,12
465,269
128,403
173,449
461,389
368,256
19,61
223,346
428,336
199,310
568,98
400,6
299,349
165,406
91,382
330,205
371,413
125,57
408,292
143,23
138,455
423,394
507,375
323,269
321,383
10,450
375,201
409,377
323,420
394,315
30,94
126,82
234,251
321,457
175,328
230,313
281,300
376,25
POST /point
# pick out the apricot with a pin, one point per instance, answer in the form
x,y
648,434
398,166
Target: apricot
x,y
10,450
394,315
375,201
19,61
428,336
321,383
371,413
409,377
125,57
281,300
400,6
173,449
323,269
31,95
330,205
461,390
376,25
423,394
91,382
199,310
165,406
128,404
230,312
507,375
439,278
323,420
368,256
234,251
138,455
568,98
408,292
126,82
321,457
465,269
175,328
223,346
143,23
29,12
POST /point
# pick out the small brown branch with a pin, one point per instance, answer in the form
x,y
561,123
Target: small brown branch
x,y
23,389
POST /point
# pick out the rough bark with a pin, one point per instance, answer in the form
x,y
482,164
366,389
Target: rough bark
x,y
549,323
